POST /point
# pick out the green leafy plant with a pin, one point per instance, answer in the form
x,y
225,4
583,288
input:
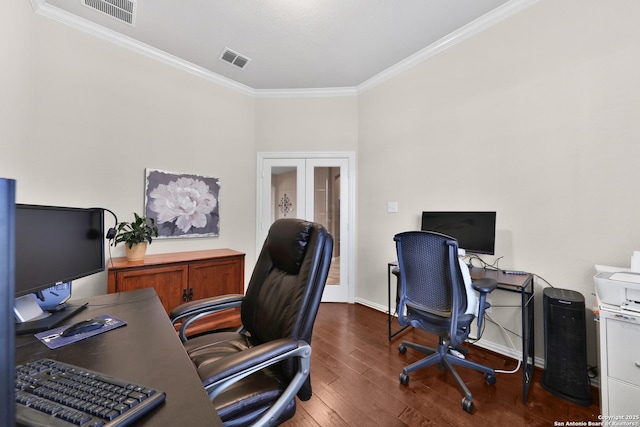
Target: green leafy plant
x,y
141,230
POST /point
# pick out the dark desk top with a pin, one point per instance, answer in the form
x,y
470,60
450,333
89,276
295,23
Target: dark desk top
x,y
505,281
516,282
147,351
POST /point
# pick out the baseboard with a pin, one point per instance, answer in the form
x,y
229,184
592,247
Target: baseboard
x,y
379,307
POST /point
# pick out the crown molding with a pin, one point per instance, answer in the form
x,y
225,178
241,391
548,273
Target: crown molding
x,y
486,21
45,9
300,93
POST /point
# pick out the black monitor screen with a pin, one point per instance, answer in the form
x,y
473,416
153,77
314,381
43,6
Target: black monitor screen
x,y
474,231
56,244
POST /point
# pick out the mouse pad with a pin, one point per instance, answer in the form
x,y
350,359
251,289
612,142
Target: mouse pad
x,y
53,337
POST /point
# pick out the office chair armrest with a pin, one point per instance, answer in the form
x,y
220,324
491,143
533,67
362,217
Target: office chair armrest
x,y
484,286
189,312
252,359
226,371
212,304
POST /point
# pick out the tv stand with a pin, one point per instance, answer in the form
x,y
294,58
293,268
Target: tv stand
x,y
55,317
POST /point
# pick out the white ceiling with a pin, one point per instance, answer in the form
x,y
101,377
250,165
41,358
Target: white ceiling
x,y
292,44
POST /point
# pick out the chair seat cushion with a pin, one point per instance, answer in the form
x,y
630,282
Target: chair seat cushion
x,y
437,324
243,402
211,347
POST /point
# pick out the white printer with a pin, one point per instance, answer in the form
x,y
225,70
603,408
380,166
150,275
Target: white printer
x,y
618,290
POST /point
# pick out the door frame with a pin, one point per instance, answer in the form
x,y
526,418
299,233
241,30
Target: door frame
x,y
351,211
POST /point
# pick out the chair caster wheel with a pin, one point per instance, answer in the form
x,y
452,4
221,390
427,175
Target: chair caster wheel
x,y
404,379
462,350
490,379
402,349
467,405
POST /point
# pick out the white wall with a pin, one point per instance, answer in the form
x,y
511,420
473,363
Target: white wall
x,y
536,118
327,124
86,117
16,98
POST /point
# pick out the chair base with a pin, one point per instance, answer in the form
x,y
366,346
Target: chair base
x,y
446,360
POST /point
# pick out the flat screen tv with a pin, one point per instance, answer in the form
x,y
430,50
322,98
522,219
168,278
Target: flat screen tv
x,y
56,244
474,231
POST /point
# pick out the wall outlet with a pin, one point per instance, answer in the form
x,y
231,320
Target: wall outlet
x,y
392,207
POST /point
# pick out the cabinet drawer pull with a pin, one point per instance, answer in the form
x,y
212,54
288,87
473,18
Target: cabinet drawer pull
x,y
185,298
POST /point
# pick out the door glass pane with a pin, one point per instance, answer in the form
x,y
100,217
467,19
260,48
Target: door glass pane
x,y
314,188
326,211
283,192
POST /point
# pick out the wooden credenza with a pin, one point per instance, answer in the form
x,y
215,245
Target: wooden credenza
x,y
182,277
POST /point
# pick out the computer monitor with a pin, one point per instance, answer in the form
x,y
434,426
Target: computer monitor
x,y
474,231
7,336
54,245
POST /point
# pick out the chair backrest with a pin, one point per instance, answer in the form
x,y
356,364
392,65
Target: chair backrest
x,y
286,286
430,275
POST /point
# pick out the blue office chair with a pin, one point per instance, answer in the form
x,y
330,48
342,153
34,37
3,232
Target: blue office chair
x,y
433,298
253,375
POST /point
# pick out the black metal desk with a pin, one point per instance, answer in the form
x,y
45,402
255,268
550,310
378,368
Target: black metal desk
x,y
522,284
393,265
146,350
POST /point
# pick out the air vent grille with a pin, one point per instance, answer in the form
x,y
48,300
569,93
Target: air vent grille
x,y
122,10
234,58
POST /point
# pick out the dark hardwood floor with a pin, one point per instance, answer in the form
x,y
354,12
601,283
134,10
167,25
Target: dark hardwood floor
x,y
355,369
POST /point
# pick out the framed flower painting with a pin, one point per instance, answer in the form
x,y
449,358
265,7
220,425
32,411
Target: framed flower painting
x,y
183,205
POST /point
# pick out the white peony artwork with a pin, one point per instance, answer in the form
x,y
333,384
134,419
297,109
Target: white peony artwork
x,y
182,205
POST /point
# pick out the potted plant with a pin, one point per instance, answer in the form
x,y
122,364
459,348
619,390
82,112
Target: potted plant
x,y
136,235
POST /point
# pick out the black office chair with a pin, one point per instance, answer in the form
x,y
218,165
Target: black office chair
x,y
253,375
433,298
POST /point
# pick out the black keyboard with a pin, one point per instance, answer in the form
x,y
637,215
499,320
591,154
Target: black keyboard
x,y
51,393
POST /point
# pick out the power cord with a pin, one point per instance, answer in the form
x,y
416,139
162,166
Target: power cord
x,y
111,232
482,263
505,332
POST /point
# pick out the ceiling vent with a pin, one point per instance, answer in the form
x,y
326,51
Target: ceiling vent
x,y
122,10
234,58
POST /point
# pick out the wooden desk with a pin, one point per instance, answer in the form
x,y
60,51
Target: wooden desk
x,y
147,350
522,284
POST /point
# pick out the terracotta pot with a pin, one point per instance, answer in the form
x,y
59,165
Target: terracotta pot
x,y
136,252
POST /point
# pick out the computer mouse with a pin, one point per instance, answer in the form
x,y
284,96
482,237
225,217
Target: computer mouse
x,y
83,326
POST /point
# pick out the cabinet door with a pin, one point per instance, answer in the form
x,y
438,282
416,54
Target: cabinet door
x,y
212,278
169,283
623,401
624,351
215,277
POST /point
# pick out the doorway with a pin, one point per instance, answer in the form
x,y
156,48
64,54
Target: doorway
x,y
316,187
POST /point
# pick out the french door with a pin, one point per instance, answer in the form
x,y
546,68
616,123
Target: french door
x,y
315,187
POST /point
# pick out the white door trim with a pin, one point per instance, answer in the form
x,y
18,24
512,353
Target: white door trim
x,y
351,229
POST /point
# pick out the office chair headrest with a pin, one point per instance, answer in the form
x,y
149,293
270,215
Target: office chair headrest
x,y
287,242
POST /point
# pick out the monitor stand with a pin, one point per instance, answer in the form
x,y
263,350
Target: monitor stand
x,y
54,317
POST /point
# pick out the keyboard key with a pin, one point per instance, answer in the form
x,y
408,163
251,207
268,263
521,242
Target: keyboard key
x,y
70,394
